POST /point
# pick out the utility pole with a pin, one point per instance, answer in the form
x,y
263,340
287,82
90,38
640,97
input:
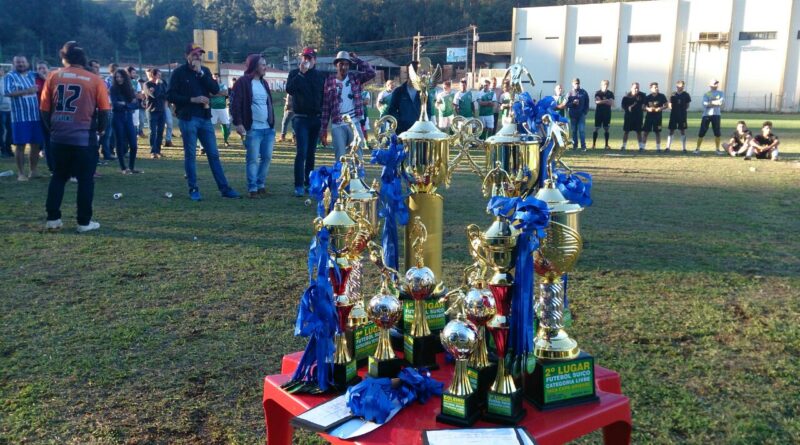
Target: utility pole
x,y
474,49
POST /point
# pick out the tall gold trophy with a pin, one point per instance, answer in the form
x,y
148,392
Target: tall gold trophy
x,y
460,402
480,309
564,375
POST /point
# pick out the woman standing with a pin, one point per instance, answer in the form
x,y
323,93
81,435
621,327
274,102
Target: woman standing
x,y
124,103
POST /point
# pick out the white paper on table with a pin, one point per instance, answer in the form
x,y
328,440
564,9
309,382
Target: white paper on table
x,y
473,436
358,426
329,413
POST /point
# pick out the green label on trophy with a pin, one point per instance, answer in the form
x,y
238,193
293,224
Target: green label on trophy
x,y
530,363
472,375
372,366
352,371
434,311
499,404
569,380
366,340
408,348
453,406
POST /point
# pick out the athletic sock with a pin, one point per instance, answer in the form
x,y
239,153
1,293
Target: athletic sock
x,y
669,141
716,142
225,133
683,141
699,143
606,136
594,138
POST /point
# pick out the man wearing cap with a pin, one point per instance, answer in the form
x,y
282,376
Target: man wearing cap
x,y
578,106
342,96
712,107
305,84
190,89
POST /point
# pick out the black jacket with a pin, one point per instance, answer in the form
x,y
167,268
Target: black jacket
x,y
185,84
405,110
306,90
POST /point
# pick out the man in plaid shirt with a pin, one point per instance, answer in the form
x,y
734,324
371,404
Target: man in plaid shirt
x,y
342,95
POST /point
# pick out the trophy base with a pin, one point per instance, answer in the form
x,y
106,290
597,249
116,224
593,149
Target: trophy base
x,y
420,352
481,380
559,383
362,341
384,368
345,375
504,409
461,411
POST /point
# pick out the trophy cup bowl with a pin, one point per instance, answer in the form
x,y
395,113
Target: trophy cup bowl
x,y
427,151
340,227
499,241
515,156
384,309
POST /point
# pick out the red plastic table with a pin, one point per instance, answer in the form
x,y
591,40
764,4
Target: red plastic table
x,y
612,413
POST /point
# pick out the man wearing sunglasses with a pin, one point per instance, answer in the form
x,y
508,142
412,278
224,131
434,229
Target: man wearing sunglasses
x,y
342,96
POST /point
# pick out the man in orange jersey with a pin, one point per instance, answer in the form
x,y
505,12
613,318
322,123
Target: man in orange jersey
x,y
72,98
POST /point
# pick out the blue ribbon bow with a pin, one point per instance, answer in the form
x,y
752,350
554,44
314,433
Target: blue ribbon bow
x,y
321,179
392,197
374,399
576,187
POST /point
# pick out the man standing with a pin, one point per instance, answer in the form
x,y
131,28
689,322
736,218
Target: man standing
x,y
5,119
444,106
137,114
678,105
254,119
406,104
498,93
20,85
578,105
108,144
633,104
75,109
463,101
155,103
288,114
342,96
305,84
190,88
654,105
712,108
385,97
486,103
560,100
219,110
604,101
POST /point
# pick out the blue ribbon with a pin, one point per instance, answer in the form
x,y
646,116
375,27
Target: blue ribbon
x,y
375,398
392,197
316,318
576,187
530,216
321,179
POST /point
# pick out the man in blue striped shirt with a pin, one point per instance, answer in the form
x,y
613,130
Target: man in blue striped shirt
x,y
20,85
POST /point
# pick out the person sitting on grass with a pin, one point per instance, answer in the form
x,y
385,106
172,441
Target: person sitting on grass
x,y
740,140
764,145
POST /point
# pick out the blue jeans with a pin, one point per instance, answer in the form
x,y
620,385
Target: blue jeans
x,y
5,133
108,138
168,124
201,129
80,162
259,145
126,137
156,130
141,112
306,132
578,125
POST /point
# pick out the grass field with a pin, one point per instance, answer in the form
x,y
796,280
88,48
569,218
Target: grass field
x,y
158,328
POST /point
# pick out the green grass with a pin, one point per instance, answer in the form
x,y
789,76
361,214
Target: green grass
x,y
159,327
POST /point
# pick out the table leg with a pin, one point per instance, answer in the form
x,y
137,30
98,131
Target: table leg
x,y
617,433
279,430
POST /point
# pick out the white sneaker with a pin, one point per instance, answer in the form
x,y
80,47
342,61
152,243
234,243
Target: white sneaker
x,y
697,151
93,225
53,225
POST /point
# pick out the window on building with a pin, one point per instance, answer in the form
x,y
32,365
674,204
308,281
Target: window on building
x,y
713,37
210,55
526,38
644,38
551,38
590,40
760,35
798,35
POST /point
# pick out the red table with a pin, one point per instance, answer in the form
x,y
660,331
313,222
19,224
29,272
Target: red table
x,y
612,413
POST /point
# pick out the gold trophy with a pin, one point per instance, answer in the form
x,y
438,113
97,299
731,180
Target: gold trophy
x,y
460,403
559,359
509,150
427,151
480,308
419,346
384,310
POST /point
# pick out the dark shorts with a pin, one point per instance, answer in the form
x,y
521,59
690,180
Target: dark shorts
x,y
652,122
27,133
710,120
766,154
602,119
677,122
632,122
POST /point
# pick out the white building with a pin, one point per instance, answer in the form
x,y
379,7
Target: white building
x,y
751,46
